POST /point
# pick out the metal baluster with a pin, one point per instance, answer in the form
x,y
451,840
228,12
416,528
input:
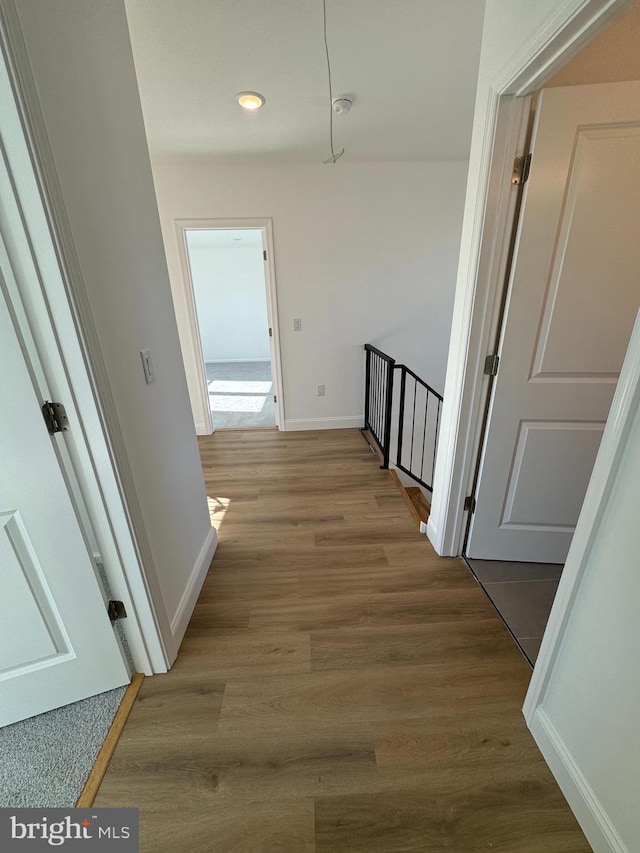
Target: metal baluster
x,y
403,384
435,444
381,401
424,434
413,425
377,387
388,406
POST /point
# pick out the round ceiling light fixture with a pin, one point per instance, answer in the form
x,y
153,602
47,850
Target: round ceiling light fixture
x,y
250,100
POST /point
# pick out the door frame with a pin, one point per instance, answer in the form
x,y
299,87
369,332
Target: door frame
x,y
484,256
536,116
202,418
597,505
52,308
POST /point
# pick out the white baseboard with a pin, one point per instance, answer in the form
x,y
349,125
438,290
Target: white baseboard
x,y
235,360
190,595
203,429
433,536
350,422
589,811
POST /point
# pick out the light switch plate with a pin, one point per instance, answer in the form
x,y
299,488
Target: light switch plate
x,y
297,324
147,366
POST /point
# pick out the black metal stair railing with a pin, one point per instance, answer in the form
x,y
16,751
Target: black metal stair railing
x,y
408,419
378,398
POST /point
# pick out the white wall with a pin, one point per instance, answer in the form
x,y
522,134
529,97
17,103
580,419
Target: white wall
x,y
83,68
364,252
231,302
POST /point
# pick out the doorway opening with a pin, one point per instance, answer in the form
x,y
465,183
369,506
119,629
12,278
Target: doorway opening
x,y
235,331
569,309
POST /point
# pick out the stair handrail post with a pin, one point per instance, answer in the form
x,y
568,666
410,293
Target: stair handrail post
x,y
387,413
403,383
367,390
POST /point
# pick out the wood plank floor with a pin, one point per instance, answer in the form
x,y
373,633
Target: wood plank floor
x,y
340,689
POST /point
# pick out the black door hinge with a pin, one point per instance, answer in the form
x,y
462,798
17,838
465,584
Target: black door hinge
x,y
469,504
491,363
55,417
270,332
264,254
275,399
116,611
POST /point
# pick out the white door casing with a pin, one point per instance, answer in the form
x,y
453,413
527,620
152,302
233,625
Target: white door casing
x,y
274,354
573,298
57,644
190,341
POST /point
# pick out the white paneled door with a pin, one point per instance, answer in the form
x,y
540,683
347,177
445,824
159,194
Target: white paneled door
x,y
573,298
57,644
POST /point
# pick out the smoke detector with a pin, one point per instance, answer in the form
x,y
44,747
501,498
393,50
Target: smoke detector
x,y
342,105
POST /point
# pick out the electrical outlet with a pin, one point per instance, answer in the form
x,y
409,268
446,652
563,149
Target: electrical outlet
x,y
319,390
297,324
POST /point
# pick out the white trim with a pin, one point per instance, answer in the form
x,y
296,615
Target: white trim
x,y
589,811
58,313
194,344
625,404
184,611
274,321
563,35
348,422
478,288
202,413
433,533
460,436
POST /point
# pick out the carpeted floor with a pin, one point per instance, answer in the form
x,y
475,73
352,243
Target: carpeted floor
x,y
241,394
45,760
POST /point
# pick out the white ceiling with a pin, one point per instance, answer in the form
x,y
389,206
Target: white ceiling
x,y
224,238
410,66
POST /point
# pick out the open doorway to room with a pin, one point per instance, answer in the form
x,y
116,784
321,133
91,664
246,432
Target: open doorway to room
x,y
572,300
234,307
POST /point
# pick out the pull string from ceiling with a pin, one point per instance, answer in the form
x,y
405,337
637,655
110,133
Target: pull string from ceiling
x,y
334,157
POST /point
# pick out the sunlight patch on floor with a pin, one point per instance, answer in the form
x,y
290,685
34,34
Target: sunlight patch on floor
x,y
228,386
236,403
217,510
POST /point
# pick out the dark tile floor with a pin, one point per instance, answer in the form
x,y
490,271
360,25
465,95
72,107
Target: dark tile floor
x,y
523,594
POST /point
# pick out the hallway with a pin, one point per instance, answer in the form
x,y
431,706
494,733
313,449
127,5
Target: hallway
x,y
340,688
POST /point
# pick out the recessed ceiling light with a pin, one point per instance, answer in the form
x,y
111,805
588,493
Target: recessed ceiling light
x,y
250,100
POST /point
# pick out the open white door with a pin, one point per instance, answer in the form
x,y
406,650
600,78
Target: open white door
x,y
272,320
574,294
56,641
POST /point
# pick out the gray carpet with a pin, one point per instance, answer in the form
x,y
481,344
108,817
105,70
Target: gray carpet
x,y
45,760
241,394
